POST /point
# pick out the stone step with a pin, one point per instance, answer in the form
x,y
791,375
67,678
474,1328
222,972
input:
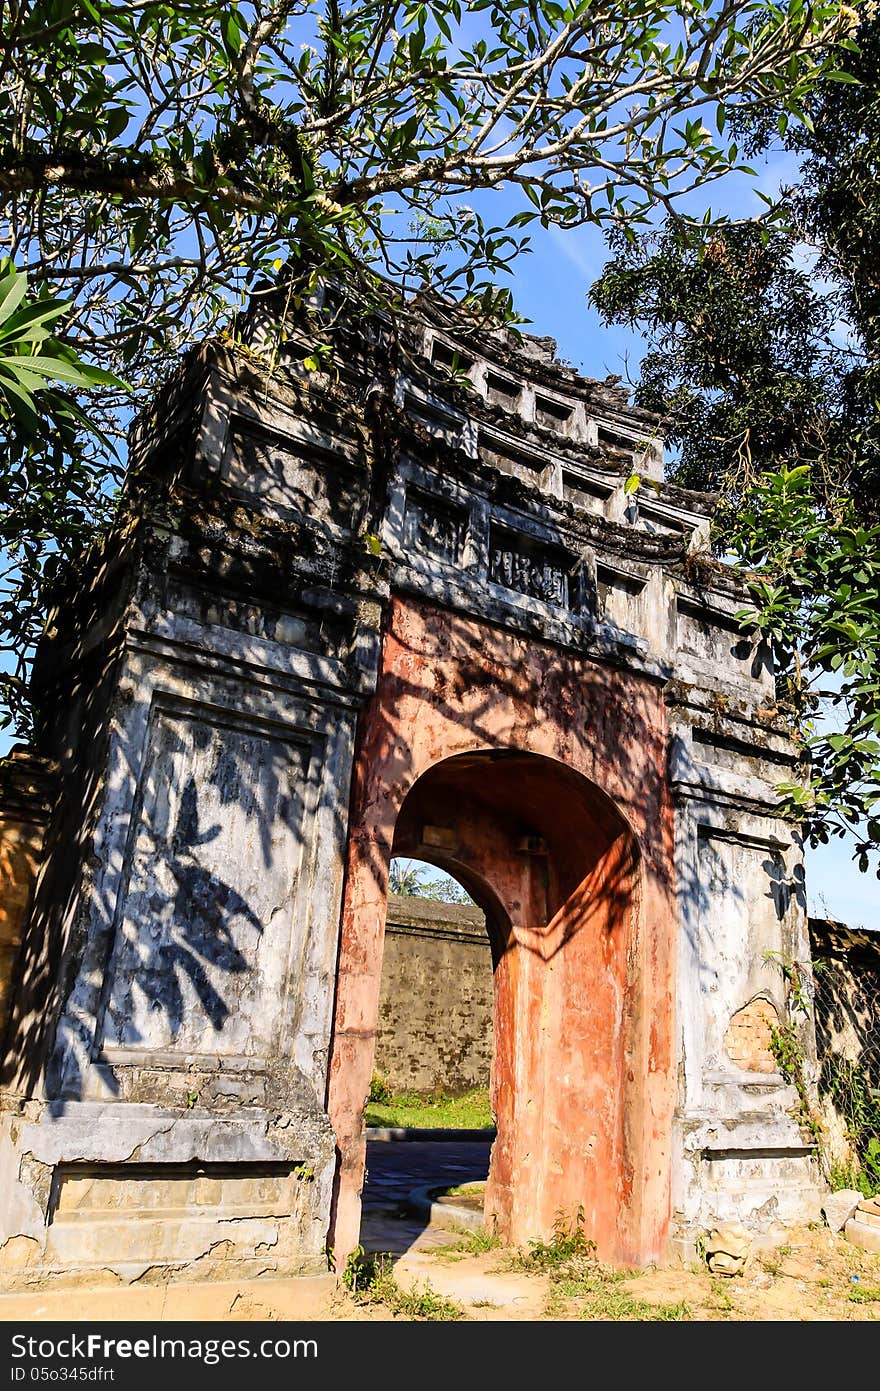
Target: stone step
x,y
863,1235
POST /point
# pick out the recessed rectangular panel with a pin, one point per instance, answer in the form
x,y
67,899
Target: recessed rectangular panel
x,y
294,626
529,465
552,414
744,898
661,523
611,441
437,421
107,1214
707,633
522,563
585,492
502,392
289,480
618,594
145,1190
452,358
435,527
204,934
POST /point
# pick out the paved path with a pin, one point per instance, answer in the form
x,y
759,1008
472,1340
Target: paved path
x,y
394,1169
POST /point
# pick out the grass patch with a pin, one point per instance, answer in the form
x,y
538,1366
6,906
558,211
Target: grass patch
x,y
471,1111
470,1244
772,1261
370,1279
864,1294
601,1294
721,1300
576,1276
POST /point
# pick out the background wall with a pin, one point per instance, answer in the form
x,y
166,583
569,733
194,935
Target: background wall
x,y
435,1009
847,975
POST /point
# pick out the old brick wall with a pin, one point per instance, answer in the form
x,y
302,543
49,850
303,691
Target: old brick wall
x,y
435,1010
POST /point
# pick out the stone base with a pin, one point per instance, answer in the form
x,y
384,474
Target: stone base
x,y
863,1228
759,1173
204,1270
131,1193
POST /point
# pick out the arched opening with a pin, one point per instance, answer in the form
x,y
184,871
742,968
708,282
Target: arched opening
x,y
540,782
553,865
433,1057
555,868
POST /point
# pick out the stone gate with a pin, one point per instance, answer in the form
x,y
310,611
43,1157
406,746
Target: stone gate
x,y
395,609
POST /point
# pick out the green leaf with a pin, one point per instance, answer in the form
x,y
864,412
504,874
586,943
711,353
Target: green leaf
x,y
21,324
117,118
13,288
55,369
230,32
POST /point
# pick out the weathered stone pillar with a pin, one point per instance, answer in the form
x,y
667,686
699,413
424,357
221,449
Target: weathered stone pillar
x,y
165,1077
744,1150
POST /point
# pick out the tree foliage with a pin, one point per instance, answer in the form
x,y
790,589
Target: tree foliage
x,y
764,355
409,878
160,162
741,362
157,155
815,584
48,499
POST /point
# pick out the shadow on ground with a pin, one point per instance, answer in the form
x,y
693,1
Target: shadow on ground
x,y
394,1169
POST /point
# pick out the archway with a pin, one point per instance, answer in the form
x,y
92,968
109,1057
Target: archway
x,y
524,788
555,869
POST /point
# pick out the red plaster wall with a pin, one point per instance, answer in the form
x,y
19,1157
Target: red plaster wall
x,y
582,931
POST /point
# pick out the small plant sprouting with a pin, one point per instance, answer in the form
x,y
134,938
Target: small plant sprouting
x,y
470,1244
797,976
380,1092
360,1270
848,1085
567,1243
787,1047
369,1277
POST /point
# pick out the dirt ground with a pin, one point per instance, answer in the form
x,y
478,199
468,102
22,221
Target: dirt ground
x,y
814,1276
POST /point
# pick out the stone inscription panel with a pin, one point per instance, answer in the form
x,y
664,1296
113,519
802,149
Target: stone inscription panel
x,y
204,934
434,527
542,572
